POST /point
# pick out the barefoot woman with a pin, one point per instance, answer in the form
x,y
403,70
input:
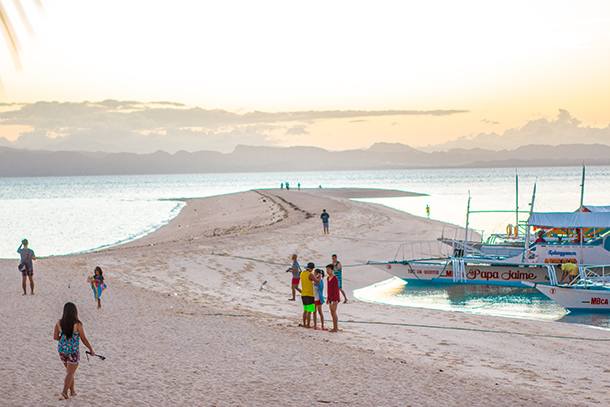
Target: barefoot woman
x,y
68,331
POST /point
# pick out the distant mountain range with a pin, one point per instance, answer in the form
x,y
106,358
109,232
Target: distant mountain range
x,y
380,156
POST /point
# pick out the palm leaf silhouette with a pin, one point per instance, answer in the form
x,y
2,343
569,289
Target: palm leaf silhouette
x,y
9,32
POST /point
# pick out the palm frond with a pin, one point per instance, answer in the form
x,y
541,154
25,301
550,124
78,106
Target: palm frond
x,y
10,36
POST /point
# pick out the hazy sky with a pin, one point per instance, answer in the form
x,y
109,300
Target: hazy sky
x,y
488,66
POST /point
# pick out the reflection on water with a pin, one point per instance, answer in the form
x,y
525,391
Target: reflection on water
x,y
513,302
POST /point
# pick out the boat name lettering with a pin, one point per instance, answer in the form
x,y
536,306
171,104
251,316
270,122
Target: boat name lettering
x,y
518,275
562,254
474,274
599,301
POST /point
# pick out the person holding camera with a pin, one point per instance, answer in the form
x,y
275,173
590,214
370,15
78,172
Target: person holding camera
x,y
27,255
296,277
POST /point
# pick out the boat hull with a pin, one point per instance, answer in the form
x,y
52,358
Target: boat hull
x,y
575,298
509,275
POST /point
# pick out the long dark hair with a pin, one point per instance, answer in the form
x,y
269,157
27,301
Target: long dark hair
x,y
68,320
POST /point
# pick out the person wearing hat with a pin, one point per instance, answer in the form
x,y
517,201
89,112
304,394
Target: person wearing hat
x,y
27,255
307,294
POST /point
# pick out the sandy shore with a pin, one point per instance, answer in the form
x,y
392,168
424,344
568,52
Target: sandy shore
x,y
185,322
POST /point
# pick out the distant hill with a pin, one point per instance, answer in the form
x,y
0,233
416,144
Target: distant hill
x,y
25,163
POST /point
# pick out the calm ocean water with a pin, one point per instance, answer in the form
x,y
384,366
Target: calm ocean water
x,y
63,215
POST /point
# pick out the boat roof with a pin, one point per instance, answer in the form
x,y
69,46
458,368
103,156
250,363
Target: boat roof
x,y
570,220
594,208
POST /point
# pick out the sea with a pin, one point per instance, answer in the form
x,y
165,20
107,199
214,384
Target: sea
x,y
65,215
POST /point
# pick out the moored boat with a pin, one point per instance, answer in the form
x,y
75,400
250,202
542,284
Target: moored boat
x,y
465,262
590,290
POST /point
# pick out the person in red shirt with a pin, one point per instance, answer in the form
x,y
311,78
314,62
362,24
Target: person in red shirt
x,y
334,296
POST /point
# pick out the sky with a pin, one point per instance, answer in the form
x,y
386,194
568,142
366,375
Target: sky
x,y
337,75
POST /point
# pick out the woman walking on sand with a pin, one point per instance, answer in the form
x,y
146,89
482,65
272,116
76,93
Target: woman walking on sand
x,y
69,331
334,297
97,285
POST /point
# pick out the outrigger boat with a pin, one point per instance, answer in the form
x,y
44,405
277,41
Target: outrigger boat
x,y
464,262
589,291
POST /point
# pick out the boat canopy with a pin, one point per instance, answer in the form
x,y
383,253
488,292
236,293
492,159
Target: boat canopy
x,y
570,220
597,209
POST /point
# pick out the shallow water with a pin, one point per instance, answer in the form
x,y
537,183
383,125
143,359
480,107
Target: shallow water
x,y
514,302
62,215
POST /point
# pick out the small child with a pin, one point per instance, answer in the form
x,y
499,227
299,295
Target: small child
x,y
97,285
318,293
334,296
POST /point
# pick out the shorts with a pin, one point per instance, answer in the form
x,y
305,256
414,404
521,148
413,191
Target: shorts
x,y
318,302
296,281
308,303
71,358
340,279
28,273
325,224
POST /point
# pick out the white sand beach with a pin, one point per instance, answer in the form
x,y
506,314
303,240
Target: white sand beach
x,y
184,320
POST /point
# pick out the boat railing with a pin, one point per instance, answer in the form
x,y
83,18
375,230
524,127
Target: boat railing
x,y
467,250
435,249
424,250
592,276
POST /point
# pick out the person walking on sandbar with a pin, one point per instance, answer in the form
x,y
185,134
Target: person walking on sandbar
x,y
324,216
27,255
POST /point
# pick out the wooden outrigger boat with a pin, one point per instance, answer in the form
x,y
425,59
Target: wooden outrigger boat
x,y
515,264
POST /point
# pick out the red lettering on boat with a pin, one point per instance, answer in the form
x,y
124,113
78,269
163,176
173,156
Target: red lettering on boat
x,y
599,301
518,275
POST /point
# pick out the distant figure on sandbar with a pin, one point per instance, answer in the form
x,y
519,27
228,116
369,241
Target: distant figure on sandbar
x,y
307,295
338,271
299,186
428,211
27,265
333,296
282,185
287,186
97,285
296,277
69,331
325,216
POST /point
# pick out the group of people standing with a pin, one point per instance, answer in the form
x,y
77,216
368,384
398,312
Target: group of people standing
x,y
311,280
288,186
69,330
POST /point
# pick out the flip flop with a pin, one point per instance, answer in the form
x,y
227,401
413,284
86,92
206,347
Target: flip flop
x,y
316,328
325,329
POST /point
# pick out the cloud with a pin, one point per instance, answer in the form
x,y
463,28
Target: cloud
x,y
565,129
297,131
133,126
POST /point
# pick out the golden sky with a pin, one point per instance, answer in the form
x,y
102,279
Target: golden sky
x,y
503,63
